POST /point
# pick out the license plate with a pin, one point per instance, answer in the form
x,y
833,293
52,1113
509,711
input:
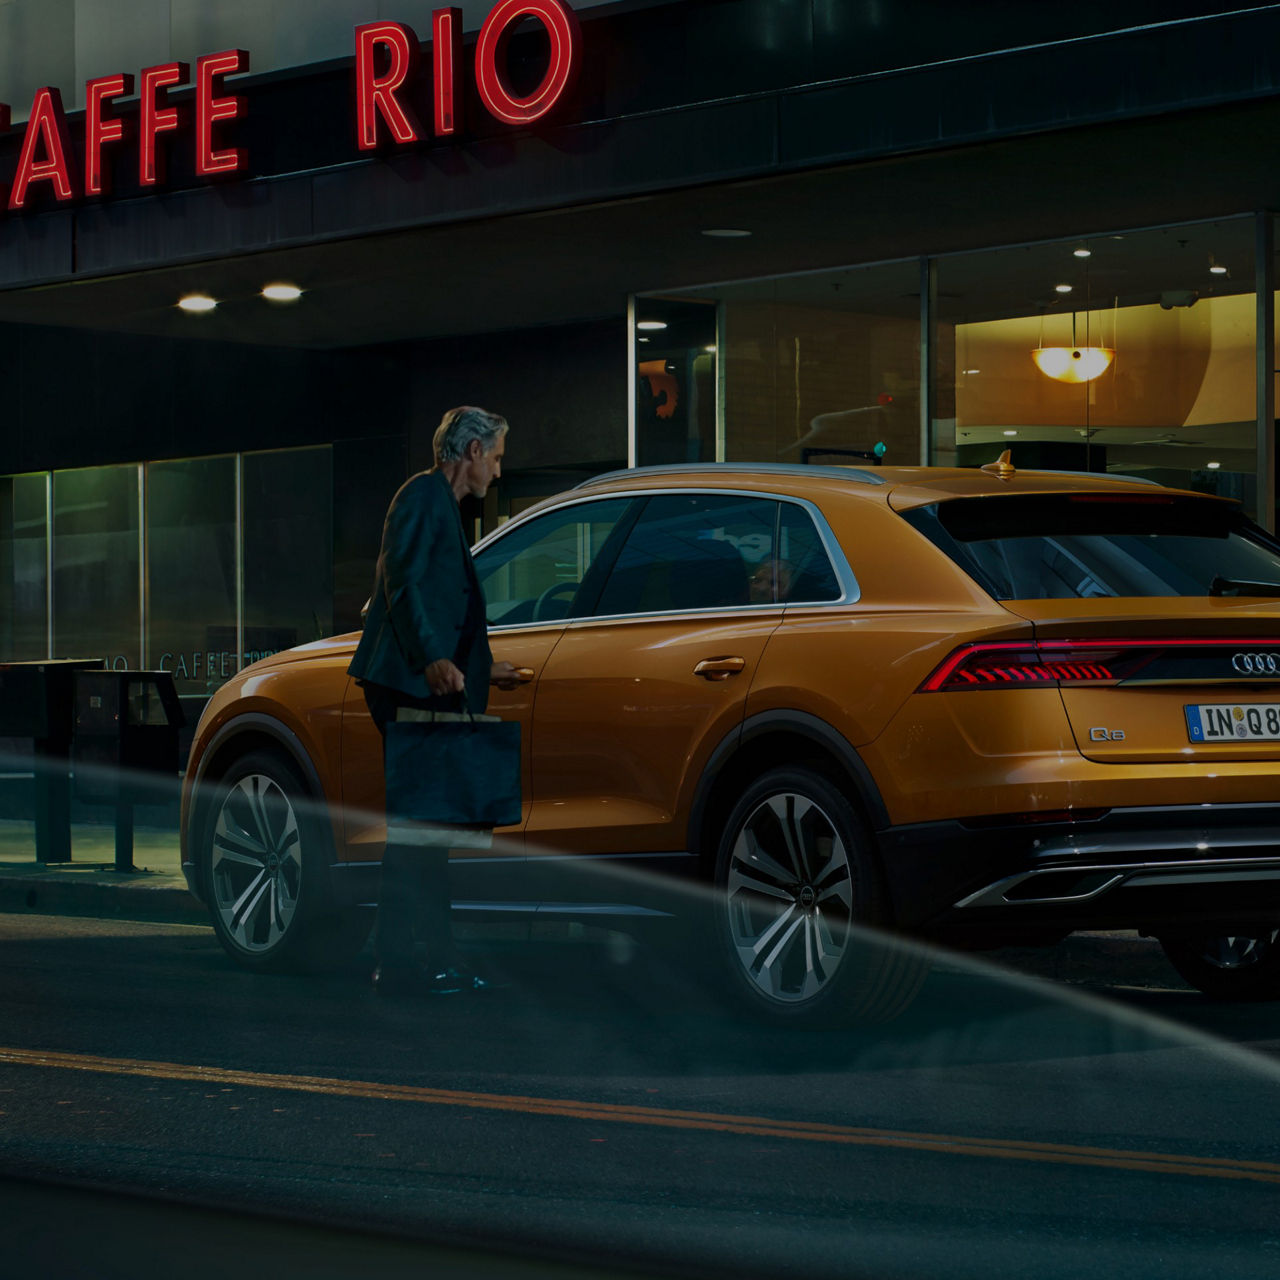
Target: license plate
x,y
1234,721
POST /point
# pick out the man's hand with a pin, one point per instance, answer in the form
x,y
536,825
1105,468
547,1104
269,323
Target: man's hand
x,y
503,674
443,677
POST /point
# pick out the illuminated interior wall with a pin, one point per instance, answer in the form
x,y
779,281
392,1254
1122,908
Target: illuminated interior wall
x,y
1180,367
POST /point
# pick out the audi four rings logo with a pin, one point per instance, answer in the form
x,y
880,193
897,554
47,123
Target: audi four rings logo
x,y
1256,664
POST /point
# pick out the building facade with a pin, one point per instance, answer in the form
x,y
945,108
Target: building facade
x,y
644,231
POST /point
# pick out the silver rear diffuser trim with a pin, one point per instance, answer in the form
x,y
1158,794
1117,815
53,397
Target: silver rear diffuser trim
x,y
1097,880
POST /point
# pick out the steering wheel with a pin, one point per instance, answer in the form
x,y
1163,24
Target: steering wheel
x,y
541,612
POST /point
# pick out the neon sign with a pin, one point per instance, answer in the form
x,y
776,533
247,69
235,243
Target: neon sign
x,y
46,146
388,65
384,109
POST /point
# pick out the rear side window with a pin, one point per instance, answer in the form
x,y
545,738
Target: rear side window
x,y
713,551
689,551
1071,546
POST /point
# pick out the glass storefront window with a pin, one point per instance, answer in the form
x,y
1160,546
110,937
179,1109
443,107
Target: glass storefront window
x,y
97,595
817,368
24,581
191,571
288,549
1167,315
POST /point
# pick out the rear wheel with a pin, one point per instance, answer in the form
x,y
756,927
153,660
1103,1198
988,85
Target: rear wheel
x,y
1229,966
265,858
797,884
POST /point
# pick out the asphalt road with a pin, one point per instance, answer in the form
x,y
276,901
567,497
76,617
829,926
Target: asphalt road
x,y
612,1112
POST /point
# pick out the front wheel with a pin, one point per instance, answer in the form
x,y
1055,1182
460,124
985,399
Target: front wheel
x,y
796,887
1229,966
265,857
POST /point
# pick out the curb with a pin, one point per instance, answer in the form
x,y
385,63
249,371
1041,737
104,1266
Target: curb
x,y
102,893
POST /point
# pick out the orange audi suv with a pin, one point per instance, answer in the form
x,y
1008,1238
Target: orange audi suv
x,y
975,706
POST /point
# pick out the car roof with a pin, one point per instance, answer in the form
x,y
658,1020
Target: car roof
x,y
900,487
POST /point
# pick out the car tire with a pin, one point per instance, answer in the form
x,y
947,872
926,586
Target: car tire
x,y
798,902
1229,966
265,856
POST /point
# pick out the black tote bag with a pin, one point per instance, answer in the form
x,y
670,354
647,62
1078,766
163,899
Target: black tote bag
x,y
452,771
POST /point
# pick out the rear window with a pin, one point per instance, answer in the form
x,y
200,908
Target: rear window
x,y
1070,546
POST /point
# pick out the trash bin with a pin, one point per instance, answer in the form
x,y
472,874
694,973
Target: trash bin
x,y
126,738
37,701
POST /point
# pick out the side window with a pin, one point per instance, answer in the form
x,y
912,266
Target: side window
x,y
803,568
533,573
691,551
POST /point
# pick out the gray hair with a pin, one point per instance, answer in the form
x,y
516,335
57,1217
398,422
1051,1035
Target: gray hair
x,y
460,426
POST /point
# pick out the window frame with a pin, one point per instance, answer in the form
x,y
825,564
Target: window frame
x,y
597,574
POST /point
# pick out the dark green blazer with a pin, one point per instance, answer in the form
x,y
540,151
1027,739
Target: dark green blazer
x,y
427,602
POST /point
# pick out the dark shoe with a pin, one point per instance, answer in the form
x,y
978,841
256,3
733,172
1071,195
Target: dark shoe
x,y
456,982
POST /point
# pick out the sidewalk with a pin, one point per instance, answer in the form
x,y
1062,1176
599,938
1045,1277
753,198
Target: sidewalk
x,y
89,885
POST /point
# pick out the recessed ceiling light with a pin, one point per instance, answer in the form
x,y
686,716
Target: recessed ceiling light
x,y
281,292
711,348
970,371
644,339
1217,271
1011,433
1062,288
1213,466
651,324
726,233
196,303
1082,252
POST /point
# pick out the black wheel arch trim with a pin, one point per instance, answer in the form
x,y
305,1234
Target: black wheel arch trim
x,y
251,722
819,732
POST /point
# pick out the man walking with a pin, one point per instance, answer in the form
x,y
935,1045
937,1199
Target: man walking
x,y
425,642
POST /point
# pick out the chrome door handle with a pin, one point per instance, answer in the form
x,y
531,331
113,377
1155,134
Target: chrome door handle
x,y
524,674
719,668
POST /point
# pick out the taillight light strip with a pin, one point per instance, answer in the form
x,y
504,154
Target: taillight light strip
x,y
1005,664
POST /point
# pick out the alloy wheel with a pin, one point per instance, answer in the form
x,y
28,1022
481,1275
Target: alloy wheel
x,y
256,863
789,898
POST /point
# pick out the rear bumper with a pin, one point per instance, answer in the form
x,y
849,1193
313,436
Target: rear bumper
x,y
1160,869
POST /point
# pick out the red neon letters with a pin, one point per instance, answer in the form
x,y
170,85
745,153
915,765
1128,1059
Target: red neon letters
x,y
154,119
446,63
386,61
46,132
99,129
562,27
387,56
46,145
209,110
376,94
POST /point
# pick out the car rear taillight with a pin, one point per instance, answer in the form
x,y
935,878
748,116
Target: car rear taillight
x,y
1006,664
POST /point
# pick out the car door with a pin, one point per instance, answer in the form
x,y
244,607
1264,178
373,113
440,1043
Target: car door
x,y
635,697
530,573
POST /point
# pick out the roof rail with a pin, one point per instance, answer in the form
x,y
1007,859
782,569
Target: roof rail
x,y
859,475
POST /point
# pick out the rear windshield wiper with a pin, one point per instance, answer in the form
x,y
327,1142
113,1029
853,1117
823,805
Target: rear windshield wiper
x,y
1221,586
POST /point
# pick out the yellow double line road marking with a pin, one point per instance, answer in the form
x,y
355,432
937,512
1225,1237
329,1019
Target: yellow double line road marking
x,y
657,1117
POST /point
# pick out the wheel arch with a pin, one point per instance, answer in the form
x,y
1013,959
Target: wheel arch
x,y
253,731
765,741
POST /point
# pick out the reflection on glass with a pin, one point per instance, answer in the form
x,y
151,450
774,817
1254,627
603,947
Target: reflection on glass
x,y
816,368
533,575
1174,399
96,592
24,599
675,357
191,572
288,549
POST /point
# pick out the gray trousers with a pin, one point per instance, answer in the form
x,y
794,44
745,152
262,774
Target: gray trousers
x,y
414,925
